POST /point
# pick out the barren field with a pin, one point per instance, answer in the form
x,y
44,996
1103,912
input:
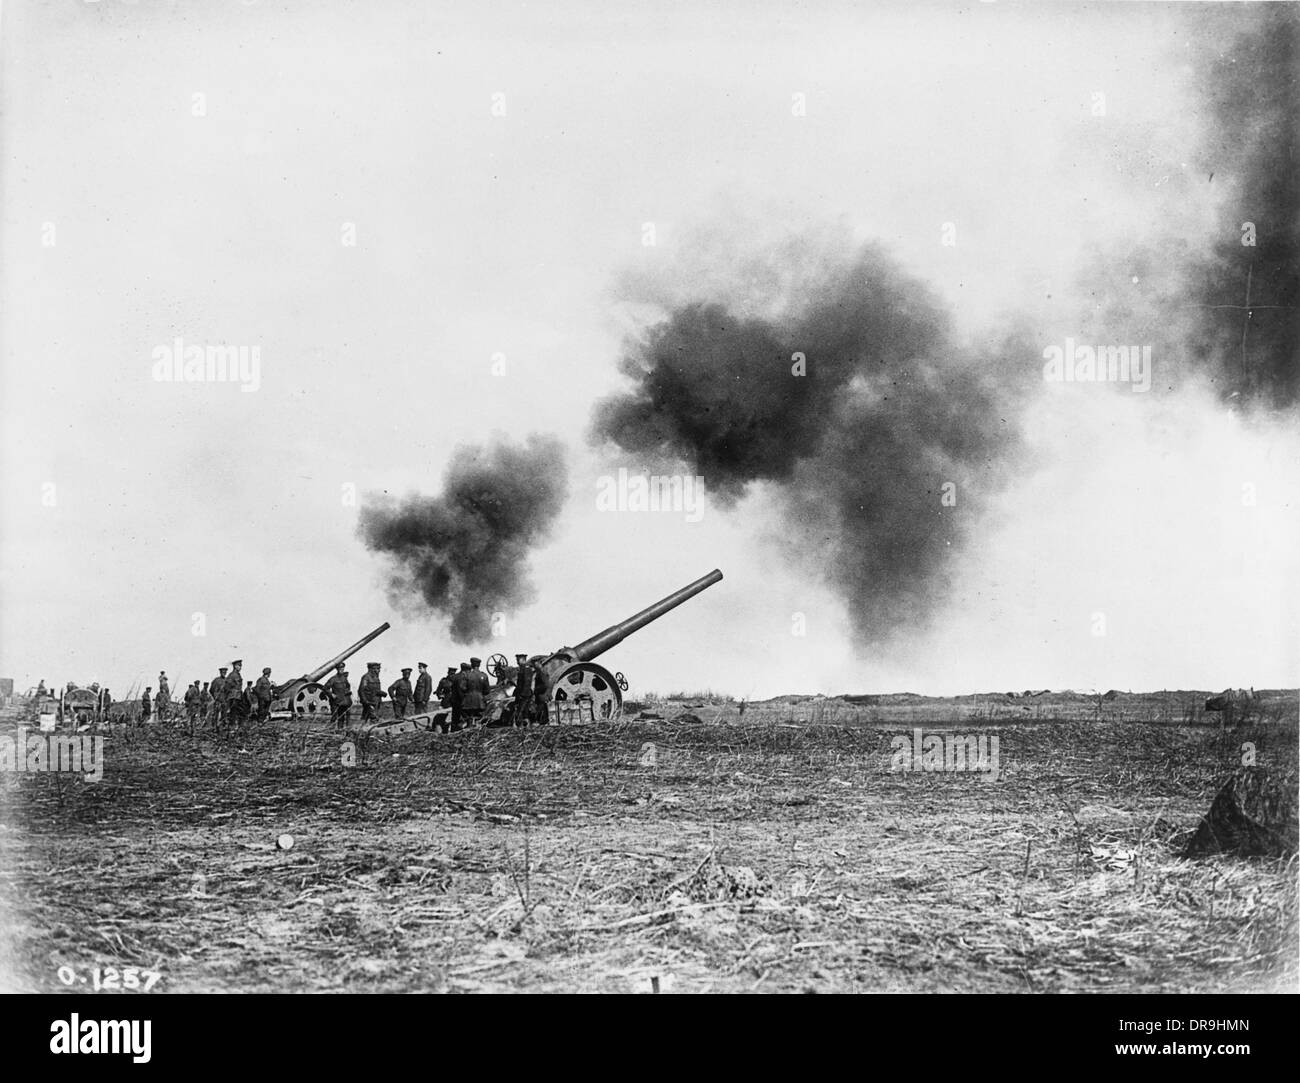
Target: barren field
x,y
702,851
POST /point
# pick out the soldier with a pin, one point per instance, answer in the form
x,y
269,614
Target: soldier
x,y
264,692
217,686
40,688
457,690
474,687
164,698
235,689
192,703
236,694
105,702
423,689
400,693
205,704
146,705
523,702
541,700
443,691
370,692
339,691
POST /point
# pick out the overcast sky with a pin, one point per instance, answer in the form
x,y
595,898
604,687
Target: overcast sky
x,y
198,171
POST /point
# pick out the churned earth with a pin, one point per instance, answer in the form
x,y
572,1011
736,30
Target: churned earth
x,y
781,849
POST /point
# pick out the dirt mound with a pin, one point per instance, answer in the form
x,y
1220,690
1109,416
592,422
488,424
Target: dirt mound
x,y
1254,815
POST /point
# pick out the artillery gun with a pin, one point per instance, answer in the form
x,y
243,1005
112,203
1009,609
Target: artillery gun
x,y
305,695
79,706
577,688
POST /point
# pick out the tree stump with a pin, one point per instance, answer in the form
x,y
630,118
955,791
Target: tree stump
x,y
1254,815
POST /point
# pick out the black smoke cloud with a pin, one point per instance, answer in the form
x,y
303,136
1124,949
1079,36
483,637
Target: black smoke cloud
x,y
464,554
894,411
1251,86
891,416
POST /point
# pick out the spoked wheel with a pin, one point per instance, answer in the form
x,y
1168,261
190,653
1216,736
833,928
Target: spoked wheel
x,y
310,700
498,667
586,692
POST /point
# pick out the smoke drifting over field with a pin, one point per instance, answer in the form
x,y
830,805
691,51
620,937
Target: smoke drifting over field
x,y
464,554
885,453
879,434
1253,94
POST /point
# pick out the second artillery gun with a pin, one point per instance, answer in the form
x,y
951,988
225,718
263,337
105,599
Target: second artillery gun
x,y
305,695
575,686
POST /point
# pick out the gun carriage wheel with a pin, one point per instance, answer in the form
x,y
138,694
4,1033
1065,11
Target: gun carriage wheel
x,y
309,700
586,692
498,667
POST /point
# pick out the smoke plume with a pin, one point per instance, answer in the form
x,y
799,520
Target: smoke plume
x,y
464,555
886,451
1253,93
880,436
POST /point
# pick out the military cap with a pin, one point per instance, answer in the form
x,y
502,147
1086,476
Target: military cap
x,y
162,673
475,661
341,666
266,669
521,657
372,665
464,665
451,669
407,669
423,665
224,668
237,662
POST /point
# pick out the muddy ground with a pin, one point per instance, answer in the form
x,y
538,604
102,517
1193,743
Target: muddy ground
x,y
774,851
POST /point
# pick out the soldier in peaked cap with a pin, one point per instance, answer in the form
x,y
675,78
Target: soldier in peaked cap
x,y
443,691
400,693
457,691
474,687
339,691
235,682
264,692
236,694
423,689
522,708
217,686
370,692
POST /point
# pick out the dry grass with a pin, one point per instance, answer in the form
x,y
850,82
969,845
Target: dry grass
x,y
762,853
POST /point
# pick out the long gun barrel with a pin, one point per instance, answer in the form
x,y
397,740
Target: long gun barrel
x,y
616,633
320,671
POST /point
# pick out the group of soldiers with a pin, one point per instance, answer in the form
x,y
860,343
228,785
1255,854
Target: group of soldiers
x,y
463,690
227,699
